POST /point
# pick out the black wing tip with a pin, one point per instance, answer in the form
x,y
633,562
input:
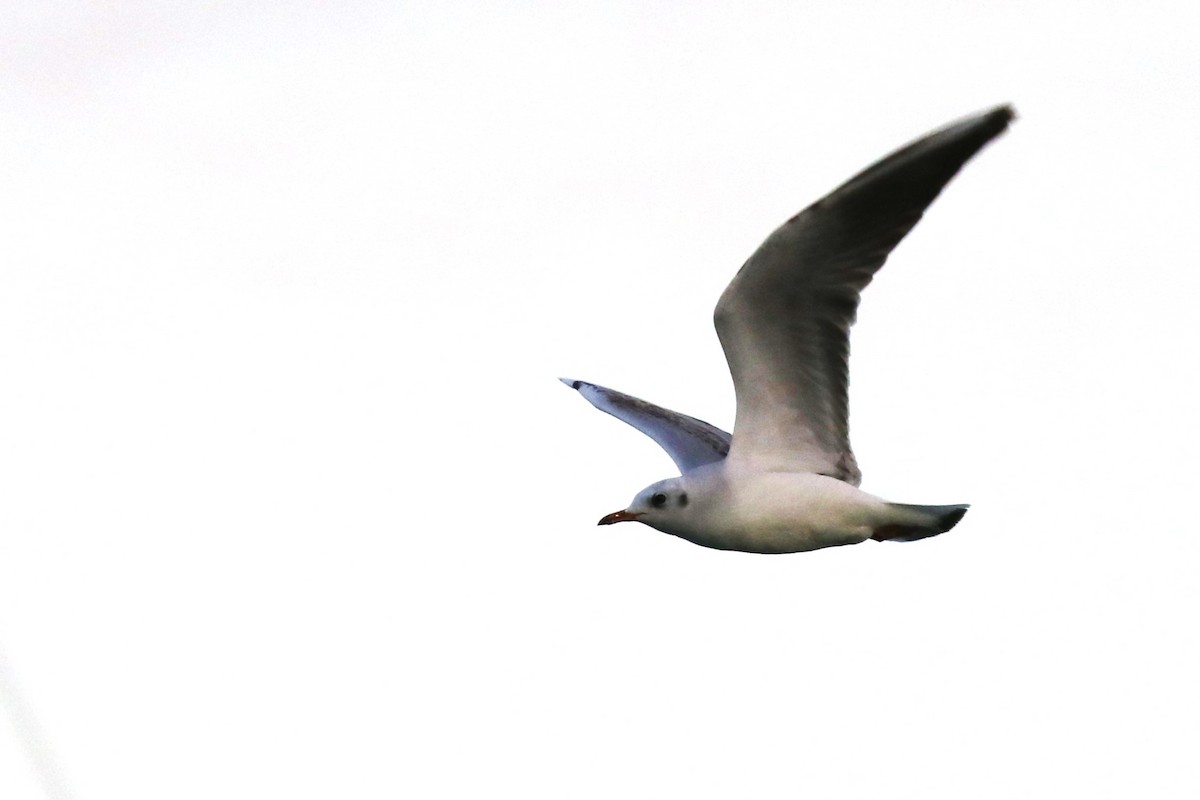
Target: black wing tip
x,y
978,129
574,384
997,119
1004,112
974,131
922,167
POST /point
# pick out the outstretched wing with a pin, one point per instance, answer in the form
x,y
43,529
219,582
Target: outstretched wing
x,y
688,441
784,321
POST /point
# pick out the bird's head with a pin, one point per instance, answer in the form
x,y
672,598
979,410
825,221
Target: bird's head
x,y
664,505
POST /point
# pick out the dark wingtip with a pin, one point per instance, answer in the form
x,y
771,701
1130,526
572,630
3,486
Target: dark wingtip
x,y
1004,111
910,178
1000,117
574,384
976,130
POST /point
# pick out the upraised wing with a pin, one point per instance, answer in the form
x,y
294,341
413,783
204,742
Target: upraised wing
x,y
784,321
688,441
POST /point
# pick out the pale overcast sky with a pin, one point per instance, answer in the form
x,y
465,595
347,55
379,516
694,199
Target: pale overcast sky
x,y
293,505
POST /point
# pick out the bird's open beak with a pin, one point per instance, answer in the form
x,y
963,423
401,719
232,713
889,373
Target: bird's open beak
x,y
619,516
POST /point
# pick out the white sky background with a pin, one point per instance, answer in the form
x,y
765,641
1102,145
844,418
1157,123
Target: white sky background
x,y
292,505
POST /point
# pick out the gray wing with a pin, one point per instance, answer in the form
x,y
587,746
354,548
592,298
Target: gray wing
x,y
784,321
688,441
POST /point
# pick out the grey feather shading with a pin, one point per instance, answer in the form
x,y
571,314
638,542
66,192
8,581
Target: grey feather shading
x,y
689,442
939,519
784,321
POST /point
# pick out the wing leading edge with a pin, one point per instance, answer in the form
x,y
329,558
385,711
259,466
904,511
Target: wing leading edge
x,y
784,321
689,442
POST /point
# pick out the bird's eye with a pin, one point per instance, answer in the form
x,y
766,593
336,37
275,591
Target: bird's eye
x,y
659,500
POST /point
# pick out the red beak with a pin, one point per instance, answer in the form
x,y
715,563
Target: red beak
x,y
619,516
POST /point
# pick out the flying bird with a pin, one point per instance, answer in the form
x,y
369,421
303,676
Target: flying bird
x,y
786,481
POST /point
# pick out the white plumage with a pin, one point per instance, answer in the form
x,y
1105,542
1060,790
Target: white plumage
x,y
786,480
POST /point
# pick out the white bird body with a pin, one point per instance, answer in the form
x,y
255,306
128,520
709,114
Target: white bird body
x,y
773,512
786,481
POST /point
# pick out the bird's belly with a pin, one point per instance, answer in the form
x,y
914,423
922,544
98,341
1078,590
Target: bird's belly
x,y
771,534
786,514
779,539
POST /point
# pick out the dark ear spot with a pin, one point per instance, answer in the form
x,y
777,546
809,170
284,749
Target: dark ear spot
x,y
683,498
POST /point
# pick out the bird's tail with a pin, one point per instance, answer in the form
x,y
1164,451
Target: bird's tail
x,y
919,522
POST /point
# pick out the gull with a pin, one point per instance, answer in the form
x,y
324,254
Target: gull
x,y
786,481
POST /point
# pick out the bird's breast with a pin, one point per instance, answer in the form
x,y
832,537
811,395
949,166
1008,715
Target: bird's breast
x,y
785,513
